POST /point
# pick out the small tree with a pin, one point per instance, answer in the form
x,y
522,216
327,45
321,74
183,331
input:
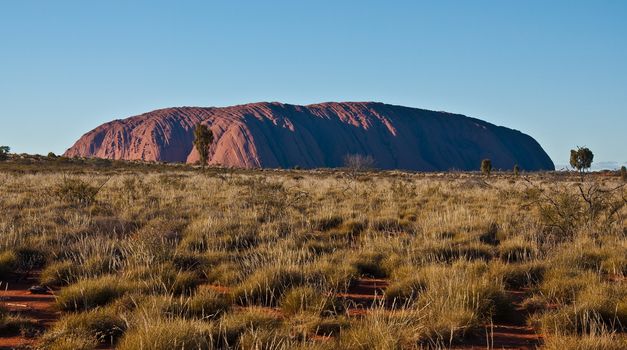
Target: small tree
x,y
4,152
486,167
203,137
358,162
516,169
51,155
623,173
581,158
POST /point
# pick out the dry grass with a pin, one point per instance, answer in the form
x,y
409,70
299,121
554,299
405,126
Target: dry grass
x,y
165,257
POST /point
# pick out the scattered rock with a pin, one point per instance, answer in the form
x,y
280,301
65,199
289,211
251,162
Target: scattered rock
x,y
39,290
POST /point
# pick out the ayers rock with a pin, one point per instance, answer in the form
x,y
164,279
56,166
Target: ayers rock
x,y
277,135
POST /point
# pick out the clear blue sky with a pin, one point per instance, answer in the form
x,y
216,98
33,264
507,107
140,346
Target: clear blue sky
x,y
556,70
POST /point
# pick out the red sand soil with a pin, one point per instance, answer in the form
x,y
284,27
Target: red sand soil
x,y
39,308
511,334
363,293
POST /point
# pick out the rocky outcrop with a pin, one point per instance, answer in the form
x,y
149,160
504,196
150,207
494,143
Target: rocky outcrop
x,y
279,135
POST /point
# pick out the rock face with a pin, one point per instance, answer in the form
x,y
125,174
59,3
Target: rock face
x,y
276,135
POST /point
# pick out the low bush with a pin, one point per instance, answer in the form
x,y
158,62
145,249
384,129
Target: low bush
x,y
225,274
99,325
309,300
326,223
461,298
597,308
448,325
168,334
263,339
404,291
60,273
562,285
11,325
90,293
75,191
28,258
392,225
7,264
267,286
164,278
370,264
332,272
347,231
384,330
208,303
71,342
601,341
517,276
233,325
516,251
445,252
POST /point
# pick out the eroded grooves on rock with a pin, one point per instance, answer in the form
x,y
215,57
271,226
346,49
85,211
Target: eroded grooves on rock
x,y
283,135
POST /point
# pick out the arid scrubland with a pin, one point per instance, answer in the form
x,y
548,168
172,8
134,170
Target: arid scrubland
x,y
166,259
